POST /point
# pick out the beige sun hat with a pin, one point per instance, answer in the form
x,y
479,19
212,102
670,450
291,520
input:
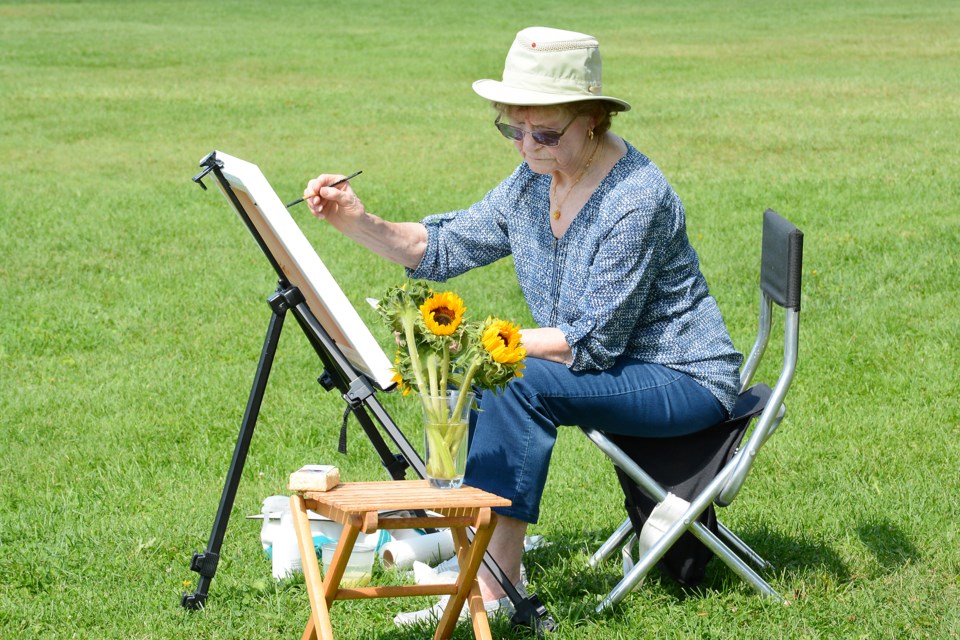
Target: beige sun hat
x,y
549,66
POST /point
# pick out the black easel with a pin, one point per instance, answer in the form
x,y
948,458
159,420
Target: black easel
x,y
360,397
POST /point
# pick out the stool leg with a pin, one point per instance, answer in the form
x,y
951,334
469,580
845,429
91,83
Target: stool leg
x,y
348,537
470,555
319,624
478,614
310,633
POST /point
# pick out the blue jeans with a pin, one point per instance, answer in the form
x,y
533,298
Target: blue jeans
x,y
512,436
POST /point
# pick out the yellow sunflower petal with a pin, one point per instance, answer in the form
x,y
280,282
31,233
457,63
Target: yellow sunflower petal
x,y
502,340
443,313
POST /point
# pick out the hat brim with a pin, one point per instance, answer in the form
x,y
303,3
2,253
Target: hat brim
x,y
497,91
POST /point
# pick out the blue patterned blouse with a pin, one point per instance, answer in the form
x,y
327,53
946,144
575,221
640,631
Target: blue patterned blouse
x,y
622,281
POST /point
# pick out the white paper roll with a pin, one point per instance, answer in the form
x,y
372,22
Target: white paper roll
x,y
429,549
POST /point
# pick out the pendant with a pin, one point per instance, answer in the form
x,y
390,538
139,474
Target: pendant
x,y
556,214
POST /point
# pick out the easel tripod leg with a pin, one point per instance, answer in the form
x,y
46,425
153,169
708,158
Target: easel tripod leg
x,y
206,563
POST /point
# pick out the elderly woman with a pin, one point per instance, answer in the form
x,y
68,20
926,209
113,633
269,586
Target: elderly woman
x,y
628,340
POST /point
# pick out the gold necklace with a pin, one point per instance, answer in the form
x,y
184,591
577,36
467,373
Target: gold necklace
x,y
556,211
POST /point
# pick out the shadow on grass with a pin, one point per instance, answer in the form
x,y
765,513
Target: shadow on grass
x,y
569,586
498,629
888,543
794,556
571,590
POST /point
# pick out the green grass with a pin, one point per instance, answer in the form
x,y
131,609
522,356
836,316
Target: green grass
x,y
133,304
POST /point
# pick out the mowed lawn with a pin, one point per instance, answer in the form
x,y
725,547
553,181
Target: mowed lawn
x,y
133,304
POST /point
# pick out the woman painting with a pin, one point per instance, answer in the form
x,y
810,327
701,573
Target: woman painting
x,y
628,340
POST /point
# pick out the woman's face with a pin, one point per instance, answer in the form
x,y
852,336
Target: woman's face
x,y
573,149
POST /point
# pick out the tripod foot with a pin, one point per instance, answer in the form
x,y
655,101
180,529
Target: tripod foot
x,y
193,601
530,612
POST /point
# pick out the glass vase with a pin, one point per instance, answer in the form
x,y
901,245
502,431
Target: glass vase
x,y
446,420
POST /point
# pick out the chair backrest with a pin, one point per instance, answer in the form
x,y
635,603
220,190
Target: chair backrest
x,y
781,269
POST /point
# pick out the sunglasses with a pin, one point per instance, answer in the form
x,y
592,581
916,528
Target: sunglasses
x,y
543,137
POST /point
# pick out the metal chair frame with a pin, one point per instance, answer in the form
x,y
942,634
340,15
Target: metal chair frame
x,y
781,268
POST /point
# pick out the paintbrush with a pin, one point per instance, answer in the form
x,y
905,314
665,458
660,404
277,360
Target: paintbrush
x,y
341,181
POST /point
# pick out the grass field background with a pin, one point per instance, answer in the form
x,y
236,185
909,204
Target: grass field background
x,y
132,304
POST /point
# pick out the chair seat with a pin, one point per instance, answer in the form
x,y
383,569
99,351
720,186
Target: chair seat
x,y
684,466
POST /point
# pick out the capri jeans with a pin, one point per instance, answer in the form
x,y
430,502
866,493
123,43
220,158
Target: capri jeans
x,y
513,433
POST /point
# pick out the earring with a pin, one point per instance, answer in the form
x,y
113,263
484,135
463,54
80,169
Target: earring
x,y
590,134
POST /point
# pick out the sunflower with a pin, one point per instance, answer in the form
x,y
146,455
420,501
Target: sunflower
x,y
502,340
438,349
442,313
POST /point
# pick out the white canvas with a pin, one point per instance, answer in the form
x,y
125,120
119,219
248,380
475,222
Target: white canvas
x,y
304,269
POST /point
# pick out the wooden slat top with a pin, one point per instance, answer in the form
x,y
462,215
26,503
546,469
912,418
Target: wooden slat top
x,y
361,497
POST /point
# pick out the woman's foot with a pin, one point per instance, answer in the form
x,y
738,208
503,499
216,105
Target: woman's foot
x,y
494,608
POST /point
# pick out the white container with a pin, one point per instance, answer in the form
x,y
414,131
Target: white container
x,y
273,509
286,552
359,569
278,536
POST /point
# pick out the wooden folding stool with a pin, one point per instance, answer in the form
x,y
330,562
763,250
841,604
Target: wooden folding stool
x,y
357,506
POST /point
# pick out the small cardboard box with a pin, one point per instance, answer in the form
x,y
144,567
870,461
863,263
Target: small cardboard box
x,y
314,477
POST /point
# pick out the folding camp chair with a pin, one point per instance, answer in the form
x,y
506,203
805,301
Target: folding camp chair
x,y
709,467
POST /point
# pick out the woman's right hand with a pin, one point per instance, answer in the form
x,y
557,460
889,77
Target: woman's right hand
x,y
399,242
338,205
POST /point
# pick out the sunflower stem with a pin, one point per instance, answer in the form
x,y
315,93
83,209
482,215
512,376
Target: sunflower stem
x,y
445,366
440,458
407,320
432,374
454,438
465,387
